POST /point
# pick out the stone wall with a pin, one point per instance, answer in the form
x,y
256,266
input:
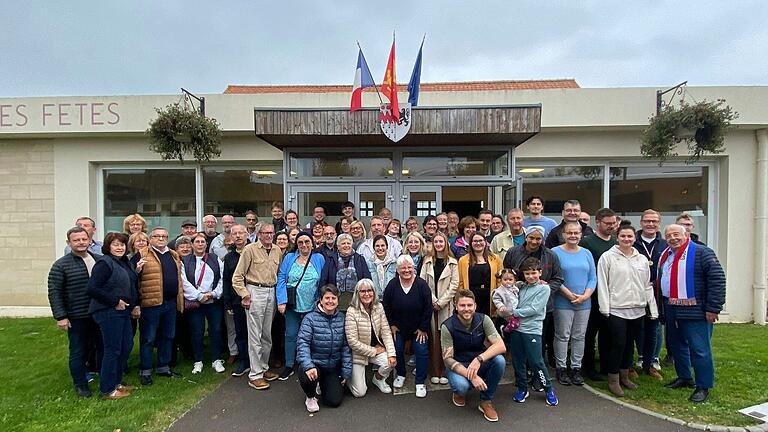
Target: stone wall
x,y
26,221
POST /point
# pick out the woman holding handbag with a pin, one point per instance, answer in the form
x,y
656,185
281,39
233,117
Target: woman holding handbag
x,y
297,283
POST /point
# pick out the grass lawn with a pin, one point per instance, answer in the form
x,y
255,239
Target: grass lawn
x,y
741,378
37,394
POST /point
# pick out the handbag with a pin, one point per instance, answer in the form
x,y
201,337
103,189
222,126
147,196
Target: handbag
x,y
291,290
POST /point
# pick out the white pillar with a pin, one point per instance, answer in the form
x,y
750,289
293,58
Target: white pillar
x,y
761,229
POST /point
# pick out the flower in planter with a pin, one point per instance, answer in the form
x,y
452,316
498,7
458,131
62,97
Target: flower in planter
x,y
702,126
179,132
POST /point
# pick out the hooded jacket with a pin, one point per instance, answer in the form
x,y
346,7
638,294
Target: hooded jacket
x,y
625,282
322,342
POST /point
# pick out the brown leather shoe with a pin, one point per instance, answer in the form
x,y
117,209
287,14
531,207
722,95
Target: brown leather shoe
x,y
259,384
632,373
116,394
126,388
653,373
271,376
489,412
458,400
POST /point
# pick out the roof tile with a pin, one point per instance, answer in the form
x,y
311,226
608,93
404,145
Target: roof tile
x,y
425,87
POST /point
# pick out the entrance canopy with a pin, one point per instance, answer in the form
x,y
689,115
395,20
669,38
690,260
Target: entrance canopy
x,y
431,126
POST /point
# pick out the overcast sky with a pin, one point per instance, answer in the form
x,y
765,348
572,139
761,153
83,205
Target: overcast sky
x,y
79,47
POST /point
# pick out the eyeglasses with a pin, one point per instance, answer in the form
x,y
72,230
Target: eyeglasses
x,y
478,241
267,232
655,222
366,291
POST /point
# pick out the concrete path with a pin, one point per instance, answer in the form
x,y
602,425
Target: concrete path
x,y
237,407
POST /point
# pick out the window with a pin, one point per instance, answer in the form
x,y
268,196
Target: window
x,y
164,197
237,190
556,185
370,165
455,164
670,190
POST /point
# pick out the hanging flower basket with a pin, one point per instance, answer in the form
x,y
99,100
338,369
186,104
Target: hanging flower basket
x,y
702,126
180,132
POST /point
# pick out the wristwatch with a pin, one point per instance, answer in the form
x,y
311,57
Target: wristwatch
x,y
479,358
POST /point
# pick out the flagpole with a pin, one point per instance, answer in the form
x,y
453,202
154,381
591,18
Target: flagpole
x,y
372,79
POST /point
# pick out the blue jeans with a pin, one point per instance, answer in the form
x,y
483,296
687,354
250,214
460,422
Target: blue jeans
x,y
213,313
292,324
80,335
157,323
490,371
648,341
117,334
241,335
420,353
691,344
526,351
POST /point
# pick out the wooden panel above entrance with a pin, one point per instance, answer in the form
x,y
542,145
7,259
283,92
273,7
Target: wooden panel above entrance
x,y
430,126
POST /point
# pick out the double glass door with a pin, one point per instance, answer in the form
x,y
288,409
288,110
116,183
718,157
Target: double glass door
x,y
368,200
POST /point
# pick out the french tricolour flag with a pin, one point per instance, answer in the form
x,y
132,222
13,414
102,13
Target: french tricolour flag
x,y
363,79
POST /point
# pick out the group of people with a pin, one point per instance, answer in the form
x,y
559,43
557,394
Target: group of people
x,y
456,294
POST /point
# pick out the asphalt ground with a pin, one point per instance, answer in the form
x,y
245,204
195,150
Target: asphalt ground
x,y
236,407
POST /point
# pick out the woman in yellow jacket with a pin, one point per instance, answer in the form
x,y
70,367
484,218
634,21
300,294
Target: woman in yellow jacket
x,y
479,272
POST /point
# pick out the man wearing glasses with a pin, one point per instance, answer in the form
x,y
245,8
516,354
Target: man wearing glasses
x,y
686,221
162,294
254,281
571,213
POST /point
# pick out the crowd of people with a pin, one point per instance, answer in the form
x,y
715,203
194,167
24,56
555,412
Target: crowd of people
x,y
457,298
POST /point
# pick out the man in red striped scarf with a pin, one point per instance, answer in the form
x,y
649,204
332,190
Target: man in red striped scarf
x,y
692,284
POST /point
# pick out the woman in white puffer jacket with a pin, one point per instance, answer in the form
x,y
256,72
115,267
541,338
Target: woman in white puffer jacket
x,y
625,295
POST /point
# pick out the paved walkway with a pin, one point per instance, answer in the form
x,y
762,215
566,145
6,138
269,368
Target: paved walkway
x,y
237,407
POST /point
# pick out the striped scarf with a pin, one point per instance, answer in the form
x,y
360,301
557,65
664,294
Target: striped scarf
x,y
681,289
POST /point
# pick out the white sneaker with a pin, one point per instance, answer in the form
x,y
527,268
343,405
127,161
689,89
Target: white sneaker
x,y
656,365
197,368
218,366
639,363
399,381
414,371
435,380
443,380
412,361
381,384
421,390
312,405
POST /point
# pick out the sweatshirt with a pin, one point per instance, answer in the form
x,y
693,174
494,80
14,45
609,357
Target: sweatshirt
x,y
532,308
625,282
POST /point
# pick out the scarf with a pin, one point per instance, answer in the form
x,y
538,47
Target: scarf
x,y
681,289
346,275
381,269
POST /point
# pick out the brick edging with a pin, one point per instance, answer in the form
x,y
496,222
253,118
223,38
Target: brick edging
x,y
705,427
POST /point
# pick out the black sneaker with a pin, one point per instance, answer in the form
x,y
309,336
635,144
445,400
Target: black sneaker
x,y
536,385
145,379
83,391
241,370
562,376
169,374
576,378
285,374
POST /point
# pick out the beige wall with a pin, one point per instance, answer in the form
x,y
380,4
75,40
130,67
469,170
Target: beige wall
x,y
26,221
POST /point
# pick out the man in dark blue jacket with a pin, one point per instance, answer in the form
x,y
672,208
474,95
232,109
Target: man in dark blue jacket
x,y
693,291
650,244
69,299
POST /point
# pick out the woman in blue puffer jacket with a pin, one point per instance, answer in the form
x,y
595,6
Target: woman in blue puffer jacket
x,y
323,353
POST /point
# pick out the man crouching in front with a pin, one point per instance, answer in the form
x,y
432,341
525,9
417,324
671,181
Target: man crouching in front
x,y
469,363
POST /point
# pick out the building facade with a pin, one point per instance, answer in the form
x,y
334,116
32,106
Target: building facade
x,y
471,146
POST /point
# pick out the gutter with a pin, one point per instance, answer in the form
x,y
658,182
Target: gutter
x,y
760,282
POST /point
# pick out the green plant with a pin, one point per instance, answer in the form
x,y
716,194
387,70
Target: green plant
x,y
179,131
702,126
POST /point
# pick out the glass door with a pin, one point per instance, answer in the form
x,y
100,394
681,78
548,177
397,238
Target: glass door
x,y
304,200
513,196
421,201
370,200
